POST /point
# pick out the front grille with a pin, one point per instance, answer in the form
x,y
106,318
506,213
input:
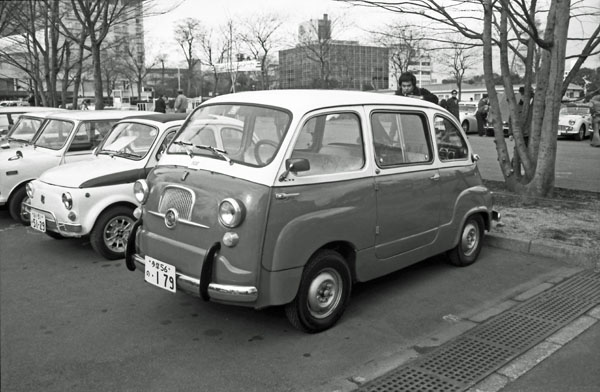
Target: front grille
x,y
178,198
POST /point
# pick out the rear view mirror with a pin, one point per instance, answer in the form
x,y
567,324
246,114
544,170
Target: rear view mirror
x,y
294,165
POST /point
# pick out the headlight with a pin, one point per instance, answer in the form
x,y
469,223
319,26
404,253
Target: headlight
x,y
231,213
571,122
29,190
141,191
67,200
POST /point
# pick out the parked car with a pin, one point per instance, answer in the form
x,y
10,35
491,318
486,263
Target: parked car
x,y
467,112
25,129
322,189
67,136
10,114
94,197
575,120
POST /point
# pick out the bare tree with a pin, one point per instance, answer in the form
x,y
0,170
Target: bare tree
x,y
188,33
261,37
214,50
500,19
461,58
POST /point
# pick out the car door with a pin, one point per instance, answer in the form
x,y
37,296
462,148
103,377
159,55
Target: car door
x,y
87,137
406,181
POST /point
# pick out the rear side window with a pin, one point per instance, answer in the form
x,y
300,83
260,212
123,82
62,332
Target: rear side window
x,y
332,143
450,143
400,138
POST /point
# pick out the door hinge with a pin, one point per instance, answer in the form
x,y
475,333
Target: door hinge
x,y
376,230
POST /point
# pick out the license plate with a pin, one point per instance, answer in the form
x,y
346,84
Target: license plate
x,y
160,274
38,221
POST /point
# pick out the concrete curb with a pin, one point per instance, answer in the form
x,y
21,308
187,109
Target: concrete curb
x,y
575,255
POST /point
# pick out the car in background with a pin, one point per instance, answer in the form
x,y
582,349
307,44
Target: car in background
x,y
467,112
313,191
95,197
25,129
10,114
67,136
575,120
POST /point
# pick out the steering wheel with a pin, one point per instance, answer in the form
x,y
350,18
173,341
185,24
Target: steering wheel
x,y
258,146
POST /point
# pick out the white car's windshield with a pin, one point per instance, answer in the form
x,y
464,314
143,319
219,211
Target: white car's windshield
x,y
575,110
25,129
243,134
129,140
55,134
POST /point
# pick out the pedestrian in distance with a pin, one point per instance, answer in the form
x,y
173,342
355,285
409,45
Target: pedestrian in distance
x,y
408,88
483,107
160,105
595,102
452,104
181,102
85,104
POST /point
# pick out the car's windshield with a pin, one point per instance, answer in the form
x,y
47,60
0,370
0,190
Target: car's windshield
x,y
55,134
25,129
575,110
243,134
129,140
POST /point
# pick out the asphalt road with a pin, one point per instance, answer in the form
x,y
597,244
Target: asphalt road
x,y
577,163
72,321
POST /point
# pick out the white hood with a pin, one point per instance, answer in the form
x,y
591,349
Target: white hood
x,y
73,175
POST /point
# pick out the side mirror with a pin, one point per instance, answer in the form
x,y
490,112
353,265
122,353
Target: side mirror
x,y
294,165
475,157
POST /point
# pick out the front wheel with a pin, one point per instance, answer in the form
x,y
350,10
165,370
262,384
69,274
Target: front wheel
x,y
323,294
15,204
469,244
111,231
581,134
465,126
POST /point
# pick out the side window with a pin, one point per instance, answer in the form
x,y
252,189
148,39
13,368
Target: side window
x,y
400,138
450,143
232,139
165,142
82,140
331,143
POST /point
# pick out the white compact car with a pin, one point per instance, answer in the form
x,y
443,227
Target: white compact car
x,y
67,136
467,112
575,120
95,197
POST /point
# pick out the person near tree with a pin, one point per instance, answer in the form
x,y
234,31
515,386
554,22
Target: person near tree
x,y
452,104
181,102
160,105
408,88
483,107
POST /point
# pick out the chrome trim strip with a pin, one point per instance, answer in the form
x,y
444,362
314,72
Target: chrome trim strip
x,y
184,221
228,292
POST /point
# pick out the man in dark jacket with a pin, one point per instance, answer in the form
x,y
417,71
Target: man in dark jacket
x,y
160,105
452,103
408,88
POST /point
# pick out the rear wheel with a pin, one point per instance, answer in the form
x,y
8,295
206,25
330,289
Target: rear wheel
x,y
465,126
469,244
581,134
111,231
15,204
323,294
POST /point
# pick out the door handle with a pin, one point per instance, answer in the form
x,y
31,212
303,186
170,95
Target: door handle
x,y
435,177
283,196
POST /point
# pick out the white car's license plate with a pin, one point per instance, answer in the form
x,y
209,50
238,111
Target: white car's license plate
x,y
38,221
160,274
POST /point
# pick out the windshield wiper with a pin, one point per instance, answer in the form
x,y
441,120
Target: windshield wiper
x,y
217,151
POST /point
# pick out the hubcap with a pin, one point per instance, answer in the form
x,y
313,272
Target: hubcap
x,y
324,293
116,233
470,239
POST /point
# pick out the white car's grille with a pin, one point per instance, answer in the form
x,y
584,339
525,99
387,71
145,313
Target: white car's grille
x,y
181,199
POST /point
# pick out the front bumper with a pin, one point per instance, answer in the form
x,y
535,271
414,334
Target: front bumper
x,y
197,287
52,223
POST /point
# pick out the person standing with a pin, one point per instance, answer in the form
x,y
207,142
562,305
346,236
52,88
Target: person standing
x,y
595,102
181,102
483,106
408,88
452,104
160,105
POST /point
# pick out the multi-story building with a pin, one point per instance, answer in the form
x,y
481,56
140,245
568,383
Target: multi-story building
x,y
420,66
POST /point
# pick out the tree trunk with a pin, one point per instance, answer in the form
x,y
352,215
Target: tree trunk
x,y
98,91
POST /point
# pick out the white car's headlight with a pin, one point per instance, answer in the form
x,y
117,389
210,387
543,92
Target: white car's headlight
x,y
141,191
67,200
571,122
231,213
29,190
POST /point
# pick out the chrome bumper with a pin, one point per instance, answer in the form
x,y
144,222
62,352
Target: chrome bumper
x,y
52,224
218,292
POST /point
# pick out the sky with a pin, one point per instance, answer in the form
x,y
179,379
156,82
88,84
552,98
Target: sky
x,y
357,20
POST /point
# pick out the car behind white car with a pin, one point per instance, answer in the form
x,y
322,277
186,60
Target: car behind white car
x,y
95,196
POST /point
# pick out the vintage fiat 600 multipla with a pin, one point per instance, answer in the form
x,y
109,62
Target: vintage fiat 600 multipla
x,y
303,193
94,197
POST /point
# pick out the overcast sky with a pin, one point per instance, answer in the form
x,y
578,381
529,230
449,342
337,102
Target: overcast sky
x,y
212,13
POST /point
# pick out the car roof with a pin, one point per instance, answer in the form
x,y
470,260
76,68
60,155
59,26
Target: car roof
x,y
83,115
160,117
308,100
27,109
43,114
